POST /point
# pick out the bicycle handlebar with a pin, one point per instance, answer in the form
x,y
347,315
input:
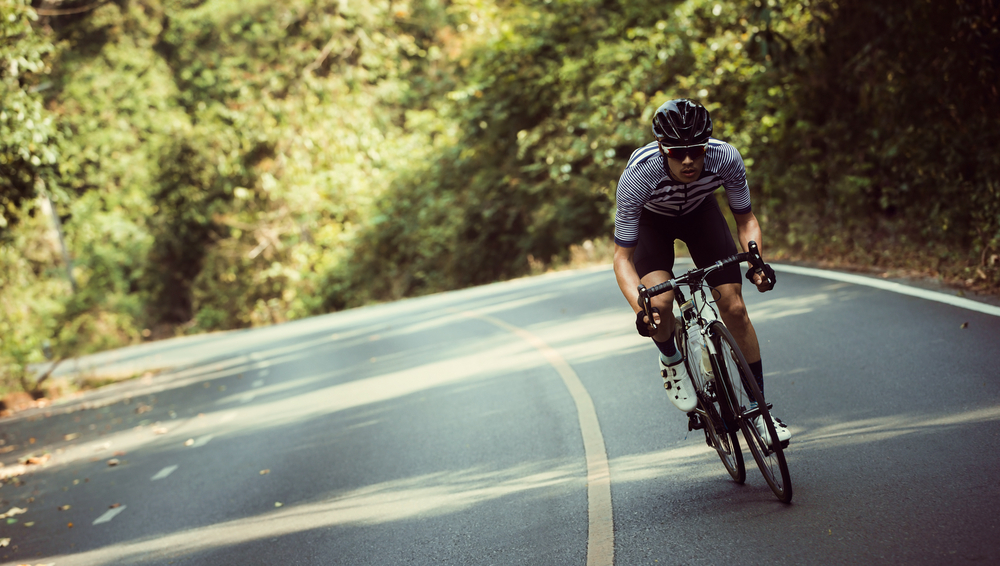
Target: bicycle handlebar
x,y
695,276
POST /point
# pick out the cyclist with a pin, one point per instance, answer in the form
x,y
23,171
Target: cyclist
x,y
665,193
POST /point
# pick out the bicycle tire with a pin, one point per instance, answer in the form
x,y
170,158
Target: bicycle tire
x,y
770,459
719,426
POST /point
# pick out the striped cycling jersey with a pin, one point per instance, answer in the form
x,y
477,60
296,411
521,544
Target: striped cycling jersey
x,y
645,183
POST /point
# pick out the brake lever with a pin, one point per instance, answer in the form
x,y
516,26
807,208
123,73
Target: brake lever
x,y
757,262
647,306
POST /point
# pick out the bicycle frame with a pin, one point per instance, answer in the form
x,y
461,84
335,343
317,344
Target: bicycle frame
x,y
691,316
722,408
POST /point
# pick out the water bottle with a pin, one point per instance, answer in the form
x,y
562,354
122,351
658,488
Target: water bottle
x,y
706,365
696,350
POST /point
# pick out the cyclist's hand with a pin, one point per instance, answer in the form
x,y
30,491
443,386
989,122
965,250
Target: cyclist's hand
x,y
642,322
764,279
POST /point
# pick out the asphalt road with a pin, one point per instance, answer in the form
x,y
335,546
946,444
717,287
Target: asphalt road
x,y
486,426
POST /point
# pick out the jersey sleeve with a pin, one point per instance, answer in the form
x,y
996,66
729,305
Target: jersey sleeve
x,y
733,173
630,196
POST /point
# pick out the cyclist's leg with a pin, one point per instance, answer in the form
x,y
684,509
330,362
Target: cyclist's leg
x,y
710,242
654,260
662,303
707,235
733,310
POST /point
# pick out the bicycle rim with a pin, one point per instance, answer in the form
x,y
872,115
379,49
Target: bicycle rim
x,y
742,390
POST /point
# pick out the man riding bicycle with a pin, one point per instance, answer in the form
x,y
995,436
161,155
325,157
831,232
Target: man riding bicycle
x,y
666,193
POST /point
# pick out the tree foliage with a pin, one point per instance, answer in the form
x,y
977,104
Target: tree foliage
x,y
28,135
219,165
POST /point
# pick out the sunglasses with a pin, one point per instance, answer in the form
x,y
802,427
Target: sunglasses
x,y
679,153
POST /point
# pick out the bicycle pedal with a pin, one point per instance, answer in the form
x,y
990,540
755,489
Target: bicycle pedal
x,y
694,422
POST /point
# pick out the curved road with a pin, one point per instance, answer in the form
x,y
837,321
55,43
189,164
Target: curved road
x,y
519,423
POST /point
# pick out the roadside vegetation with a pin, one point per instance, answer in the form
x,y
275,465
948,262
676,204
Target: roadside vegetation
x,y
183,166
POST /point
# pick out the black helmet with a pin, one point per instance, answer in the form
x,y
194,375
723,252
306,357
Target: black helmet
x,y
681,123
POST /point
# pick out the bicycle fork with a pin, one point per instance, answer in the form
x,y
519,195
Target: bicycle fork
x,y
702,377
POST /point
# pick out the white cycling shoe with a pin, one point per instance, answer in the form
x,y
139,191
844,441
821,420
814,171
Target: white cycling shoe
x,y
780,428
677,382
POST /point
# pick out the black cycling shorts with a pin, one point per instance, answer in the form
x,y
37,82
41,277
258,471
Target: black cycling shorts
x,y
705,232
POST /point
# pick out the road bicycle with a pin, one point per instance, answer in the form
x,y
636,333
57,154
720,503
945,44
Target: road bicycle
x,y
729,399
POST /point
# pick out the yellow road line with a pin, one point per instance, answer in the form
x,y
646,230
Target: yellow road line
x,y
601,535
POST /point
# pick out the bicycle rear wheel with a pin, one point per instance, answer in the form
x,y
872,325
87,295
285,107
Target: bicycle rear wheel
x,y
715,415
743,391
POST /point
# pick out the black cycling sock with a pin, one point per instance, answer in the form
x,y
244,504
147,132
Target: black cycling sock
x,y
757,369
668,348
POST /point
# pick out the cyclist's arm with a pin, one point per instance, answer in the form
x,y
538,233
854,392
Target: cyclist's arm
x,y
747,228
628,277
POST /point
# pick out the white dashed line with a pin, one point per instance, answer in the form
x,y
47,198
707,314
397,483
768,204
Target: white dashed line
x,y
108,515
203,440
163,473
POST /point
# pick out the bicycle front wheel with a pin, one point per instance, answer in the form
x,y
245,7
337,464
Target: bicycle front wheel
x,y
747,404
713,410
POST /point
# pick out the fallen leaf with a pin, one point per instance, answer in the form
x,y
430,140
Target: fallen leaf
x,y
29,524
12,472
70,525
189,442
160,430
114,505
264,472
71,436
13,511
4,541
64,508
36,460
114,462
965,325
277,504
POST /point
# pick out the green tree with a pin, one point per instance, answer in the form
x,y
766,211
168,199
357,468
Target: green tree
x,y
28,135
